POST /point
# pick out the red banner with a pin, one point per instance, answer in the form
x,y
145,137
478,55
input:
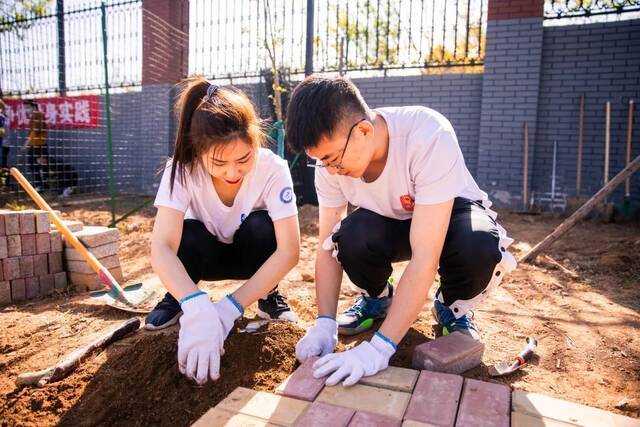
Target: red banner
x,y
59,113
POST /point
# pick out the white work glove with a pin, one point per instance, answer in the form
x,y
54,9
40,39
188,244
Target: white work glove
x,y
319,340
228,310
203,328
329,244
368,358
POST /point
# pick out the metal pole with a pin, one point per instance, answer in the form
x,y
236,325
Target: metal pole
x,y
627,182
308,62
62,76
103,9
525,172
580,144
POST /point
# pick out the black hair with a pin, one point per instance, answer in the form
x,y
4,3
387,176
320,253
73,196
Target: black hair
x,y
318,107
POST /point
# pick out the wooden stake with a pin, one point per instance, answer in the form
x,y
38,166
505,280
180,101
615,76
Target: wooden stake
x,y
627,183
580,142
583,211
525,172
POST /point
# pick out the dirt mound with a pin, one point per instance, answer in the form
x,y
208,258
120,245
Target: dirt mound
x,y
139,382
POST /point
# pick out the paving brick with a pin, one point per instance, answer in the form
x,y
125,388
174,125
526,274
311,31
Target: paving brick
x,y
393,378
92,236
46,284
26,266
99,252
522,420
28,243
322,414
14,245
279,410
5,292
56,241
484,404
4,249
92,282
539,405
60,282
11,268
43,223
55,262
365,419
27,220
108,262
72,225
18,290
32,285
220,417
435,399
301,384
40,265
365,398
43,243
453,354
11,223
2,232
411,423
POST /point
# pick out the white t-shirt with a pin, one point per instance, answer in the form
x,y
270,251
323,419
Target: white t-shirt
x,y
267,187
424,166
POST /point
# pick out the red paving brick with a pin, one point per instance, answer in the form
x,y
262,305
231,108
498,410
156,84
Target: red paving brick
x,y
4,249
26,266
5,292
484,404
43,223
14,245
40,265
27,220
11,268
11,223
46,284
56,241
60,282
28,242
43,243
301,384
435,398
32,285
453,354
322,414
55,262
366,419
18,290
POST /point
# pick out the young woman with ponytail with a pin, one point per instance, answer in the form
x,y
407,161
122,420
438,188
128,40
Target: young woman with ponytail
x,y
226,210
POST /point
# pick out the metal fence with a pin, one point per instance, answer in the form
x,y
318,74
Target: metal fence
x,y
561,9
228,38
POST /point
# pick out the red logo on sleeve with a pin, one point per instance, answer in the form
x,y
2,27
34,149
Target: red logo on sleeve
x,y
407,202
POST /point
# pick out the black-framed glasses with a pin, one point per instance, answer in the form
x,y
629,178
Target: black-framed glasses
x,y
339,164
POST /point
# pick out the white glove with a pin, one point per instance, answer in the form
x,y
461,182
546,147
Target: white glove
x,y
329,244
201,338
319,340
366,359
228,312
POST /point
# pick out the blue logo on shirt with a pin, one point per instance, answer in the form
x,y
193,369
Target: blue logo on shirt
x,y
286,195
243,216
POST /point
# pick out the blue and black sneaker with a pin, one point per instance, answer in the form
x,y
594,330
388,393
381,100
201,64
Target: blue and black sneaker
x,y
360,316
165,313
449,324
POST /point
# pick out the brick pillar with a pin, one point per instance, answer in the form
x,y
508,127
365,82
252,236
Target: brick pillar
x,y
165,48
510,87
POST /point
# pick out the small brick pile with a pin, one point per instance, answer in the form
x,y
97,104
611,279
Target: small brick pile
x,y
102,242
31,256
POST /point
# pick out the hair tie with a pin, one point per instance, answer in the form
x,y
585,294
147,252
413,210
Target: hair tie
x,y
211,91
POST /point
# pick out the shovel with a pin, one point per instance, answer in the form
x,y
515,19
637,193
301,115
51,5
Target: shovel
x,y
133,298
505,368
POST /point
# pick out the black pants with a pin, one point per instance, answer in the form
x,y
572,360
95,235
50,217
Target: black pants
x,y
5,154
37,168
206,258
368,243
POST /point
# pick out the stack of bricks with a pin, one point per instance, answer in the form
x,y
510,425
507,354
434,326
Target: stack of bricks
x,y
31,256
102,242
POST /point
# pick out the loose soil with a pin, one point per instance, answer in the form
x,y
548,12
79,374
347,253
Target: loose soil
x,y
583,306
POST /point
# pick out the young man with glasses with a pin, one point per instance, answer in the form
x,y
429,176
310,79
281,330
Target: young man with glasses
x,y
416,200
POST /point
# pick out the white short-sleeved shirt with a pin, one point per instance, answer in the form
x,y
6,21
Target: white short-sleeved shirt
x,y
424,166
267,187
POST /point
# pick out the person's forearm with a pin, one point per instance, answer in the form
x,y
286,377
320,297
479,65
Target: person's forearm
x,y
171,272
266,278
328,281
410,296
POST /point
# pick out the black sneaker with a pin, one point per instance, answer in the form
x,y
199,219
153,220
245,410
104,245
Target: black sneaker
x,y
166,313
275,307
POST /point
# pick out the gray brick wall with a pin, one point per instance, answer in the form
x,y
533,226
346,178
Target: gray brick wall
x,y
601,61
510,90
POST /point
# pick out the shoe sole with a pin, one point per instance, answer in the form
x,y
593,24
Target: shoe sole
x,y
171,322
364,326
265,316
